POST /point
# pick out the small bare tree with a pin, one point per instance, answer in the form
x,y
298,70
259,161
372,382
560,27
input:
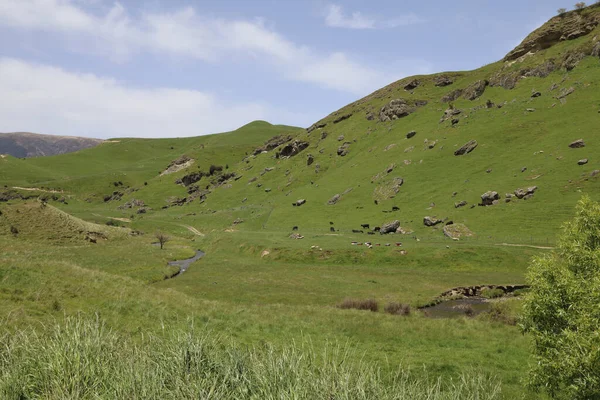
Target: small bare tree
x,y
162,238
561,11
580,5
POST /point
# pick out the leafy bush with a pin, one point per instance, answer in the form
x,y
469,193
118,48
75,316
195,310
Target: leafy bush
x,y
561,310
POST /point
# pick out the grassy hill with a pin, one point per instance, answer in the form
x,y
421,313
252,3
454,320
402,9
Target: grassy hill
x,y
393,155
26,144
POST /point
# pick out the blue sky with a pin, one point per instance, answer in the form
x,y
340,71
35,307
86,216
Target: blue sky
x,y
159,68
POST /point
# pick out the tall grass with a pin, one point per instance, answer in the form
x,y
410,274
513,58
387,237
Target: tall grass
x,y
83,359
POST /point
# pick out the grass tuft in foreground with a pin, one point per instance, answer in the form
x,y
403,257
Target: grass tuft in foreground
x,y
83,359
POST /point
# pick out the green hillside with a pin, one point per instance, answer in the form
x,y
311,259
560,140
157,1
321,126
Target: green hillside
x,y
395,155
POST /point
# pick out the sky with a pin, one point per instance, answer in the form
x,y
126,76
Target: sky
x,y
174,68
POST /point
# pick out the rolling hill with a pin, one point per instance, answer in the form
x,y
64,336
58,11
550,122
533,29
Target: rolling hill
x,y
26,144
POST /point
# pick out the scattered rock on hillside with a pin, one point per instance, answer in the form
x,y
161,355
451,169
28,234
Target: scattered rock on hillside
x,y
411,134
466,148
412,85
334,199
272,143
572,59
291,149
310,159
442,80
490,198
579,143
296,236
340,138
431,221
595,172
475,90
395,109
525,193
131,204
506,80
449,113
535,94
453,95
115,196
343,150
460,204
541,71
342,118
190,179
389,227
565,92
299,202
582,161
456,231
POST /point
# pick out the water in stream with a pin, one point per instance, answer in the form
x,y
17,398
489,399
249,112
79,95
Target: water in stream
x,y
468,306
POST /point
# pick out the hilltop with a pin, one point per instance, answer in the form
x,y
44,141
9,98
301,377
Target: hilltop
x,y
26,144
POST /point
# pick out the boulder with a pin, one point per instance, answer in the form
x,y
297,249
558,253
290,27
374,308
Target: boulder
x,y
310,159
395,109
596,50
340,138
523,193
466,148
535,94
579,143
460,204
334,199
299,202
582,161
488,198
449,113
272,143
431,221
342,118
565,92
343,150
412,85
411,134
317,125
475,90
390,227
442,80
291,149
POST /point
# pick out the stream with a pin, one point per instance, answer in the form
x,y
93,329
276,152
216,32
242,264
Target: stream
x,y
185,264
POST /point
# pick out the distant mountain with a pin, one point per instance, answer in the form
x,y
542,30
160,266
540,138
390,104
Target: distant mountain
x,y
25,144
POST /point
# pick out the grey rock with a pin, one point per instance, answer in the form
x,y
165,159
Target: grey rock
x,y
582,161
579,143
431,221
466,148
390,227
488,198
460,204
334,199
522,193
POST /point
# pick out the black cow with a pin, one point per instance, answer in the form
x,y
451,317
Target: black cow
x,y
295,228
395,208
332,229
364,226
330,222
377,229
370,233
357,231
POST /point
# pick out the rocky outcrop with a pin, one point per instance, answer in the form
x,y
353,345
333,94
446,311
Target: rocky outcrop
x,y
489,198
449,113
395,109
317,125
272,143
431,221
475,90
334,199
466,148
525,193
565,92
299,202
460,204
579,143
411,134
442,80
470,291
596,50
564,27
389,227
178,164
291,149
412,85
342,118
572,59
453,95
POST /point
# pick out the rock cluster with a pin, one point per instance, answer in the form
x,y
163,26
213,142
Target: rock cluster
x,y
490,198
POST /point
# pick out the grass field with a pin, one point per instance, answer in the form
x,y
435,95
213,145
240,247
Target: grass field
x,y
265,294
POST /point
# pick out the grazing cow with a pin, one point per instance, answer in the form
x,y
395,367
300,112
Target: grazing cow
x,y
368,243
395,208
377,244
370,233
330,222
398,244
359,244
357,231
332,229
377,229
387,245
364,226
354,243
295,228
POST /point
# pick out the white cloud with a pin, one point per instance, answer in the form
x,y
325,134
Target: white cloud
x,y
184,33
336,18
45,99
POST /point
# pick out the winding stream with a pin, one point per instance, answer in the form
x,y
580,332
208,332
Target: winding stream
x,y
185,264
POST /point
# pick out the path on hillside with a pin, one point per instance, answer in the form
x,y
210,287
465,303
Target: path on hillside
x,y
525,245
115,218
185,264
37,190
193,230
